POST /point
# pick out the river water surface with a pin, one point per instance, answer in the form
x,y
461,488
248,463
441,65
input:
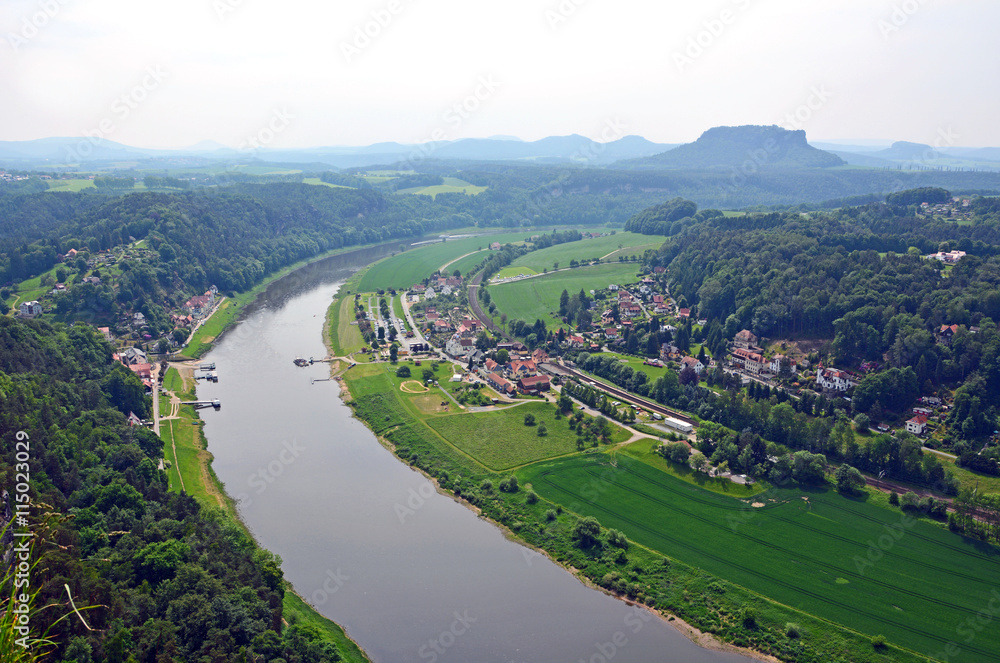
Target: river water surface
x,y
411,574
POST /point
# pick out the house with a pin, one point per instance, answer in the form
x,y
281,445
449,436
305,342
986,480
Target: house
x,y
492,367
198,306
133,420
442,326
144,371
475,356
138,320
432,315
30,309
917,425
752,362
500,384
94,280
658,300
668,350
684,313
611,333
659,270
949,257
533,385
71,253
106,333
613,288
420,287
630,310
693,363
458,346
446,290
745,339
520,369
539,356
778,360
134,356
495,246
430,294
829,378
576,341
946,333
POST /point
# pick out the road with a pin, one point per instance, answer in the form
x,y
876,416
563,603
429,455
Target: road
x,y
417,336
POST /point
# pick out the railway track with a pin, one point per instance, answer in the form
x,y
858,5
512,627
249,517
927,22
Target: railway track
x,y
617,392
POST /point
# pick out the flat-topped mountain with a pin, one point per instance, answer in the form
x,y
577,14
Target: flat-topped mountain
x,y
734,147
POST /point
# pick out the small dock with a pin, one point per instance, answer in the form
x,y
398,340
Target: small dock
x,y
208,367
211,376
217,404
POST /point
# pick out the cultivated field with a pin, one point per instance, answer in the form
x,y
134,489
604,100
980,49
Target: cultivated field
x,y
416,264
587,249
538,298
874,570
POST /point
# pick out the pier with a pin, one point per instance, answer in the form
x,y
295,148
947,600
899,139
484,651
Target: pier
x,y
203,404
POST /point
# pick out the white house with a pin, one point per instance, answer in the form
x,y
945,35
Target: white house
x,y
30,309
833,379
917,425
693,362
778,360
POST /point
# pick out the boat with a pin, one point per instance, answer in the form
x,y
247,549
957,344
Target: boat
x,y
299,361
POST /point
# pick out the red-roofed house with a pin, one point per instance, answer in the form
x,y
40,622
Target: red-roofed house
x,y
611,333
533,385
684,313
501,384
745,339
917,425
520,369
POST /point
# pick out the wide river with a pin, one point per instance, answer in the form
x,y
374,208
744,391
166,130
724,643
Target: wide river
x,y
411,574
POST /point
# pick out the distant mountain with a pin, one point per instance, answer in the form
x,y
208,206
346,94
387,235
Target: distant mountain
x,y
906,151
553,150
767,147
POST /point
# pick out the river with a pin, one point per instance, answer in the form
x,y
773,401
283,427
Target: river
x,y
411,574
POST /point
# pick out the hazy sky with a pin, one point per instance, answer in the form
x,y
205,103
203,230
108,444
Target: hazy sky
x,y
303,72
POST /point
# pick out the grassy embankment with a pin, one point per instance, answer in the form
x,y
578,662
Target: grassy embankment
x,y
185,449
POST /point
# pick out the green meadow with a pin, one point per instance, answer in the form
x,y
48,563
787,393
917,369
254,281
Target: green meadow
x,y
538,297
874,570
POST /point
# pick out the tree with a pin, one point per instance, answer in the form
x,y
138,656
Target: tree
x,y
428,375
617,539
529,419
542,430
699,462
394,353
677,452
563,302
403,372
808,468
503,356
688,376
862,422
849,479
587,531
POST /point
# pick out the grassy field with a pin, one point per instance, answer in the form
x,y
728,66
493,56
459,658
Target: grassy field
x,y
500,440
451,185
347,337
397,310
808,550
71,185
508,272
465,264
587,249
652,372
315,181
538,298
416,264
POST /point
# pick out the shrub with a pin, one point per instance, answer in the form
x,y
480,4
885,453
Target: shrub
x,y
910,500
617,539
748,616
550,515
509,485
894,498
532,497
542,430
403,372
878,642
486,486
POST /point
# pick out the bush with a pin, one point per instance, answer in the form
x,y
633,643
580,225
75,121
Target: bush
x,y
587,531
878,642
532,497
403,372
792,630
910,500
509,485
550,515
617,539
677,453
894,498
748,616
529,419
542,430
486,486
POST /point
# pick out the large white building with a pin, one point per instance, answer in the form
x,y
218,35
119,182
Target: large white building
x,y
30,309
829,378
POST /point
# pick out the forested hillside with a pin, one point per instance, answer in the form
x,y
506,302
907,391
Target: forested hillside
x,y
858,278
161,578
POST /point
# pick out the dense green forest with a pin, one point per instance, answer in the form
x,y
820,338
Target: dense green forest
x,y
162,578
